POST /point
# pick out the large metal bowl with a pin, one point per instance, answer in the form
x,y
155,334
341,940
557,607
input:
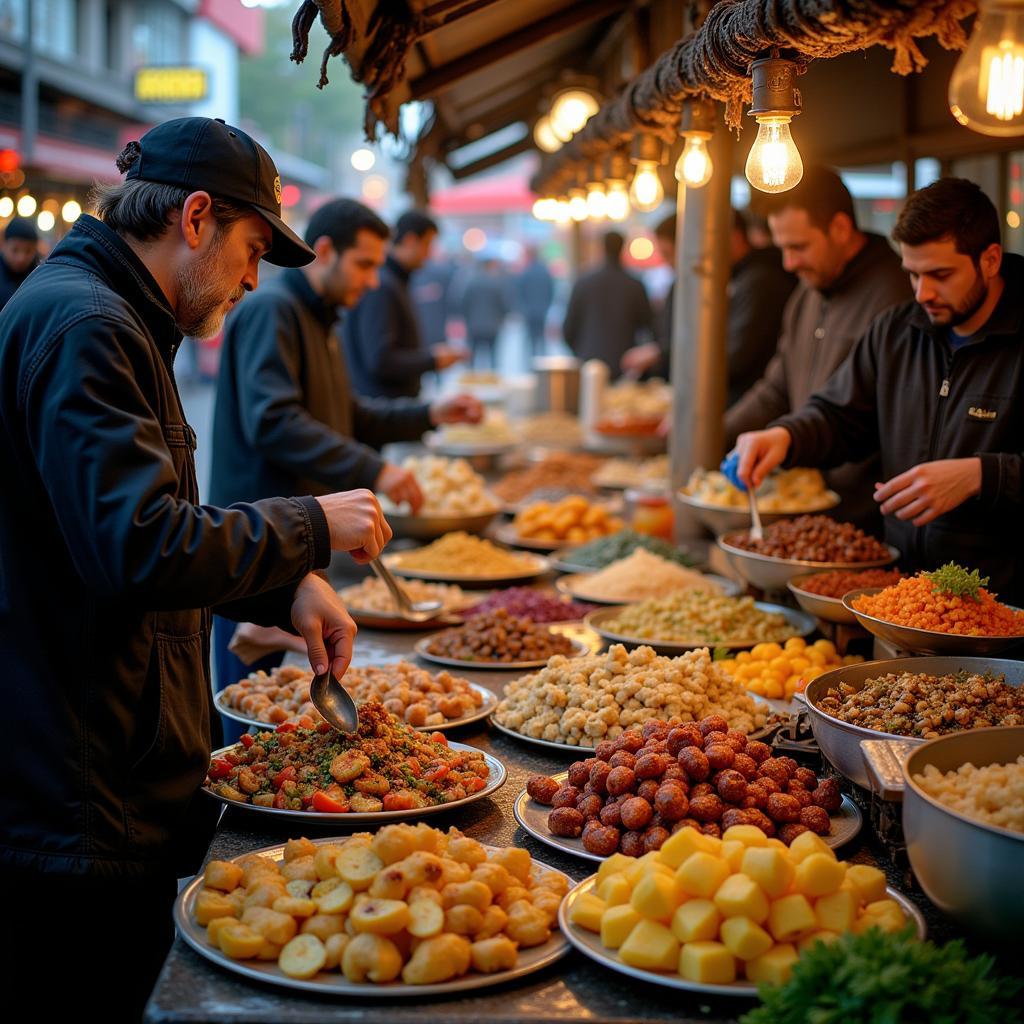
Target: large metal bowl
x,y
725,519
828,609
840,741
431,527
967,868
926,641
770,573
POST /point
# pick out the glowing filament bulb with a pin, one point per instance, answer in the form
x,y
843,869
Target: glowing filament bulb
x,y
694,165
1005,94
618,206
646,192
774,164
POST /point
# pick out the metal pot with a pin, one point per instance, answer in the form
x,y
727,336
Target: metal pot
x,y
968,869
840,741
558,383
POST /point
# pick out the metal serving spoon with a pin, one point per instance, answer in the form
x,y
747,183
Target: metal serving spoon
x,y
756,532
419,611
334,702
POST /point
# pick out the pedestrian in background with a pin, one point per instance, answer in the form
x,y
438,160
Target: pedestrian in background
x,y
484,305
534,291
19,256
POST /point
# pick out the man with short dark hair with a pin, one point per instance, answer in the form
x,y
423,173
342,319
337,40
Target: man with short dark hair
x,y
609,311
286,419
382,336
19,256
110,566
847,277
933,387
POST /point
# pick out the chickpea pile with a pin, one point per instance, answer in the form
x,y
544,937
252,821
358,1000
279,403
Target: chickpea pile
x,y
641,788
814,539
573,520
408,902
778,672
498,636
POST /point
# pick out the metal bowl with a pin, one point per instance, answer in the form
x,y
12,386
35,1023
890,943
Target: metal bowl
x,y
927,641
840,741
968,869
770,573
726,519
828,609
431,527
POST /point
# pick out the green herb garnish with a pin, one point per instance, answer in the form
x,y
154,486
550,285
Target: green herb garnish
x,y
955,579
878,978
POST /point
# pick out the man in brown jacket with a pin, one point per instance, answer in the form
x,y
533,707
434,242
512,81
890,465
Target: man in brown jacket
x,y
847,277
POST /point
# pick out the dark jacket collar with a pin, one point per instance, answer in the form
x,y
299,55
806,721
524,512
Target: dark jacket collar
x,y
875,248
298,284
397,269
92,245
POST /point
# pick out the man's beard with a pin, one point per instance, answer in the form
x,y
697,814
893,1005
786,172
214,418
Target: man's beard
x,y
201,294
973,301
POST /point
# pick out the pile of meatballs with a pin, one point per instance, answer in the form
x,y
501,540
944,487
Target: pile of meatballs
x,y
646,784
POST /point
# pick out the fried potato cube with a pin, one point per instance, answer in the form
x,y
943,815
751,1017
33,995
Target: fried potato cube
x,y
390,884
774,967
552,880
514,894
269,951
696,921
467,851
214,927
497,953
382,917
819,875
424,892
277,928
732,853
547,900
422,867
739,896
300,888
371,957
515,861
494,876
615,890
454,871
255,868
475,894
616,924
822,935
708,963
837,911
462,919
701,874
441,958
527,925
885,914
495,921
358,865
223,875
334,947
744,939
300,867
323,926
618,862
808,843
645,865
265,892
427,839
295,907
587,911
749,835
324,861
394,843
770,868
650,946
210,904
656,896
335,900
678,847
868,882
296,848
426,918
239,941
790,916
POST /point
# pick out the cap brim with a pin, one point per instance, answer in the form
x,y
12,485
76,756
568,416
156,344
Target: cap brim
x,y
287,249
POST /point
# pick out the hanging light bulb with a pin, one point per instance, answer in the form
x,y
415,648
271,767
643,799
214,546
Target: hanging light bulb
x,y
26,206
544,208
562,215
646,191
71,211
617,205
570,111
46,220
545,137
578,203
774,163
694,166
597,200
986,90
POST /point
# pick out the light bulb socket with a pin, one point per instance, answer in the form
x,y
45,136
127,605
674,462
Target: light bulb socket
x,y
774,87
647,149
617,168
698,119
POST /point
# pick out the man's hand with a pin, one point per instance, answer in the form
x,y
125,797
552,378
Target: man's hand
x,y
930,489
640,358
445,356
320,618
400,486
760,451
457,409
356,522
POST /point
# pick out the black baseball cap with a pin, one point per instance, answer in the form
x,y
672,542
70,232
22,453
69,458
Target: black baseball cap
x,y
205,154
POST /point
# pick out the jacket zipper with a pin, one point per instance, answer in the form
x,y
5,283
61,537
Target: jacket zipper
x,y
943,393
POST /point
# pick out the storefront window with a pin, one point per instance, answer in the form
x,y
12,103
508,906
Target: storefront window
x,y
54,25
158,35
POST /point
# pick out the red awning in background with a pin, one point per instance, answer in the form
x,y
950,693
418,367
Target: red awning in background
x,y
502,194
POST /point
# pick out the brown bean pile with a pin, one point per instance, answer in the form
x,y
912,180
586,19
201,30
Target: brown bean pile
x,y
639,789
499,636
836,584
914,704
814,539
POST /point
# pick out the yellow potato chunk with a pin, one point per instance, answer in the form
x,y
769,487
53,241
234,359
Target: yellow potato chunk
x,y
324,861
650,946
744,939
701,874
358,865
696,921
214,927
323,926
441,958
334,947
775,966
646,865
394,843
473,894
619,862
335,900
822,935
275,927
382,917
515,861
463,919
656,896
212,903
454,871
426,918
296,848
868,882
422,867
390,884
494,876
223,875
527,924
770,868
837,911
790,916
886,914
732,853
807,843
301,867
616,924
294,907
239,941
302,957
708,963
265,892
370,957
749,835
818,875
587,910
739,896
495,920
300,888
681,845
494,954
467,851
615,890
269,951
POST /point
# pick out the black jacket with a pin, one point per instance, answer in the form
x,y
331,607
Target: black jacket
x,y
108,569
286,417
905,393
383,340
11,282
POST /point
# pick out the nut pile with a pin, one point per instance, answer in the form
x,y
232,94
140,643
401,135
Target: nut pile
x,y
585,700
559,471
640,788
498,636
814,539
535,605
836,584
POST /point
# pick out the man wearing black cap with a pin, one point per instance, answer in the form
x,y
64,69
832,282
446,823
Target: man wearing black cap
x,y
19,256
110,567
